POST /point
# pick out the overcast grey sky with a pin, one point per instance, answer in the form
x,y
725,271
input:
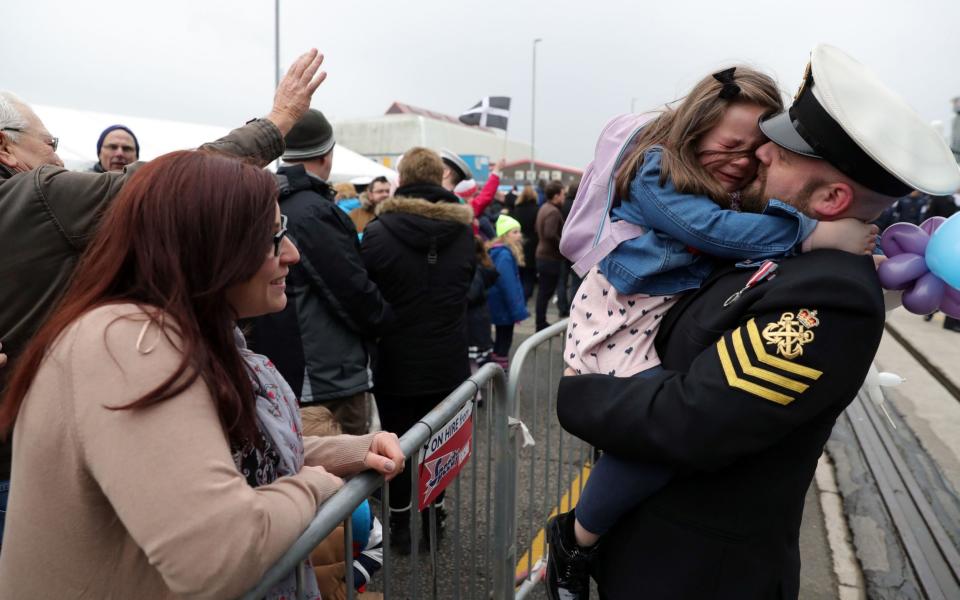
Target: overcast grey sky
x,y
211,61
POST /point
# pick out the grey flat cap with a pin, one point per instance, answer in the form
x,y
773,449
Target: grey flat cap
x,y
312,136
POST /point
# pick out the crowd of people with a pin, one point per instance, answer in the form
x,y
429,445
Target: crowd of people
x,y
154,453
227,350
198,350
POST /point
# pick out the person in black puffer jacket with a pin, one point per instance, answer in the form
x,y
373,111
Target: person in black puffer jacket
x,y
320,341
420,253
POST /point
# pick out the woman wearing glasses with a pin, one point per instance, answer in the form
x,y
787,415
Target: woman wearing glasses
x,y
154,455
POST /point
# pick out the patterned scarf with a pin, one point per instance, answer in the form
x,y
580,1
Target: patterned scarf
x,y
281,449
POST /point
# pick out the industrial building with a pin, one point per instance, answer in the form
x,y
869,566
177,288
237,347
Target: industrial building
x,y
385,138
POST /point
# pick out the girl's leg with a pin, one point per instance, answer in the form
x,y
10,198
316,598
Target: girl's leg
x,y
615,487
503,341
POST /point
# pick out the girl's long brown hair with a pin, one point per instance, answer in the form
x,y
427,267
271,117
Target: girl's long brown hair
x,y
680,126
187,226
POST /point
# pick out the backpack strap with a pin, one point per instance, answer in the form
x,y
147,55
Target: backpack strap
x,y
606,240
620,231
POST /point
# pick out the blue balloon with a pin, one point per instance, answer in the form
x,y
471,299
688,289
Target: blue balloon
x,y
943,252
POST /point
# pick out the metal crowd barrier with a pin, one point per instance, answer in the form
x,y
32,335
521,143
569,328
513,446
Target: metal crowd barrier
x,y
487,551
552,471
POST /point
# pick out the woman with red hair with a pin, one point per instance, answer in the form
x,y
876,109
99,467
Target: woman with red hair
x,y
154,455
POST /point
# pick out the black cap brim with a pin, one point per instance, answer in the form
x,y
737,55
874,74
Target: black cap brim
x,y
779,129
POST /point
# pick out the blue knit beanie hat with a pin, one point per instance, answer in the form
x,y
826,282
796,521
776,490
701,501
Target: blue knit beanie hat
x,y
114,128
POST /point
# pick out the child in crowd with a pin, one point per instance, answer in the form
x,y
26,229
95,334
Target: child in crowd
x,y
479,341
327,559
506,300
683,182
347,197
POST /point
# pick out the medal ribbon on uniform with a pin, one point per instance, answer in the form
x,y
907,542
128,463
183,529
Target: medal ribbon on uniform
x,y
765,272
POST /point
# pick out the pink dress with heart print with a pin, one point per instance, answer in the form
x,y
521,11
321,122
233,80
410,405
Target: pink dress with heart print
x,y
611,333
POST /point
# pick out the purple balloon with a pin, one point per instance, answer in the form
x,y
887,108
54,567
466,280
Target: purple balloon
x,y
903,238
950,306
925,296
931,224
899,272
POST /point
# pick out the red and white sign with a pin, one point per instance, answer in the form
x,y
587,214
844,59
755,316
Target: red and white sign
x,y
444,455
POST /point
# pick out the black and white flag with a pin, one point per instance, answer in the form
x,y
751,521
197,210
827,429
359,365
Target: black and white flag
x,y
492,111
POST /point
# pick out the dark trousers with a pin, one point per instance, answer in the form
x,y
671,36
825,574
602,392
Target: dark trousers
x,y
563,294
398,414
548,273
528,277
503,340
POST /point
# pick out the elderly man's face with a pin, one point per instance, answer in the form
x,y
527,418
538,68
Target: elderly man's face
x,y
33,149
118,150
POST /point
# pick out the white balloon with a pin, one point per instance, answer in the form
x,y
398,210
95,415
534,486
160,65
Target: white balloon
x,y
889,379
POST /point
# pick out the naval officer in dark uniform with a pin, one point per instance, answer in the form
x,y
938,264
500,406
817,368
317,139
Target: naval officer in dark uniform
x,y
755,377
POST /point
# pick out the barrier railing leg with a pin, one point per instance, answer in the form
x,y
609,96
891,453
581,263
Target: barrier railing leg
x,y
348,547
473,513
457,553
414,522
434,563
385,523
505,501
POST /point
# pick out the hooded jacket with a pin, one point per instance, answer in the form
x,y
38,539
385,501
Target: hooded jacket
x,y
334,310
505,298
421,255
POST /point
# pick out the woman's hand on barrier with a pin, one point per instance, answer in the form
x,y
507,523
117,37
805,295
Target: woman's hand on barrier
x,y
385,456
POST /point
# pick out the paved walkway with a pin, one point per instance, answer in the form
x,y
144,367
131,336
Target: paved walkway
x,y
930,410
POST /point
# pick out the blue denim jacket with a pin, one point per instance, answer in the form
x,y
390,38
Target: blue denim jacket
x,y
658,263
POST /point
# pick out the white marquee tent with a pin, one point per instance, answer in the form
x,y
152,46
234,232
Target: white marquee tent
x,y
78,131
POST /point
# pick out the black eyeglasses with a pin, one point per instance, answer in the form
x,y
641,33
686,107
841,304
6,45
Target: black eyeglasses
x,y
278,236
51,141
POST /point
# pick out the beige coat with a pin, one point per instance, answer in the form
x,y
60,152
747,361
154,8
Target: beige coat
x,y
143,503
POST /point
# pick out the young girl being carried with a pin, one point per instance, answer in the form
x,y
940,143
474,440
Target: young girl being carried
x,y
681,183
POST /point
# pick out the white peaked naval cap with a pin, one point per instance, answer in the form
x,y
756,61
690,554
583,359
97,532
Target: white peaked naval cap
x,y
845,115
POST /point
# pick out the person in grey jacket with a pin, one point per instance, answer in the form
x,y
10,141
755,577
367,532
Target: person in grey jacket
x,y
49,213
319,342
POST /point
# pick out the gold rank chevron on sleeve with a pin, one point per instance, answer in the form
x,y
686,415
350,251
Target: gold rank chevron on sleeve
x,y
752,369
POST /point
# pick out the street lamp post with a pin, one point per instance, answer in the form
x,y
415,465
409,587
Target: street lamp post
x,y
533,108
276,42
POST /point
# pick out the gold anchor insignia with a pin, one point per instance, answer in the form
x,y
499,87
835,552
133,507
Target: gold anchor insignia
x,y
791,332
807,76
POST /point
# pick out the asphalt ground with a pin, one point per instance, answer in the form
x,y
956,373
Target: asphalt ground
x,y
545,473
924,424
